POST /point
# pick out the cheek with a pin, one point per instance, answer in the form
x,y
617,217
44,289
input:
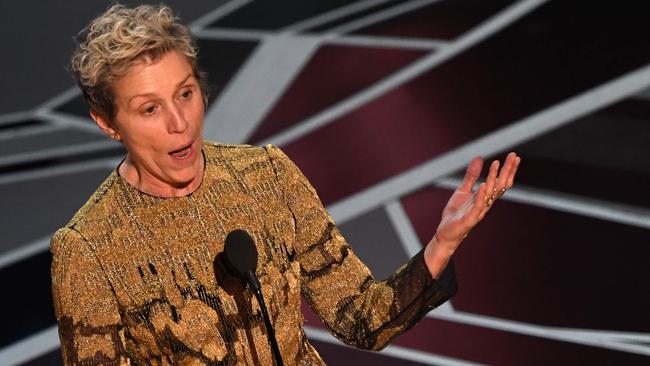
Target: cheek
x,y
200,110
151,139
197,117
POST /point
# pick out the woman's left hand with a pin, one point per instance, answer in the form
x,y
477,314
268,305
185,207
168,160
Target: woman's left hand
x,y
465,208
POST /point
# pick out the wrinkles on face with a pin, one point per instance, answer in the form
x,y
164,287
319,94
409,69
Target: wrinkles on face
x,y
160,112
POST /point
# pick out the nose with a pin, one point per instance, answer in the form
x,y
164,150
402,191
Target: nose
x,y
176,120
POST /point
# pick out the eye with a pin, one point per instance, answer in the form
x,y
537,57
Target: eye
x,y
149,110
186,94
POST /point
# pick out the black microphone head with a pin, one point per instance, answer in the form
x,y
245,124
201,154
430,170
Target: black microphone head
x,y
240,254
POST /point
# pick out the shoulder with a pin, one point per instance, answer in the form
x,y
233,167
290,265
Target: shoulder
x,y
71,257
66,240
254,164
68,246
80,290
242,154
218,151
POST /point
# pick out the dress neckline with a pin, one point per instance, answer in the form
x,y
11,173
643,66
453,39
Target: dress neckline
x,y
132,188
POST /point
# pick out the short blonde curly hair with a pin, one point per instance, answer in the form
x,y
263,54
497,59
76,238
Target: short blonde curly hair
x,y
112,42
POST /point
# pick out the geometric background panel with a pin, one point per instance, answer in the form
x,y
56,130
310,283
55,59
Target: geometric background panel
x,y
33,218
370,231
255,15
544,267
381,103
221,60
333,73
28,299
494,347
603,155
440,20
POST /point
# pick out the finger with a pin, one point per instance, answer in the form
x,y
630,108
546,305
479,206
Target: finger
x,y
484,211
489,184
511,177
492,176
488,201
472,174
504,174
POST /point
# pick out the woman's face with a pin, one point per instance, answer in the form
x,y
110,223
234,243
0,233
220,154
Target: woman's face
x,y
159,119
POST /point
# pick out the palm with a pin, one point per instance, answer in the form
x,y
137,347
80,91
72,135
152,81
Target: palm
x,y
456,219
466,208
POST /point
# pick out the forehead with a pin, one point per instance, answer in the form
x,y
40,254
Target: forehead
x,y
152,75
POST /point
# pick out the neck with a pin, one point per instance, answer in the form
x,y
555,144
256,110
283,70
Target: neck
x,y
153,186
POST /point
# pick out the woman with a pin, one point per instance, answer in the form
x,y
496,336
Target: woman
x,y
132,272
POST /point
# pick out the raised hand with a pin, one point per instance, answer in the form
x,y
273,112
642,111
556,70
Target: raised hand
x,y
466,208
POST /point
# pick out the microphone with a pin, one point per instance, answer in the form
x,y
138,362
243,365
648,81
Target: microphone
x,y
240,258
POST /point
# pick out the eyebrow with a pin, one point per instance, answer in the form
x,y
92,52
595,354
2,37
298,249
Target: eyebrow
x,y
152,94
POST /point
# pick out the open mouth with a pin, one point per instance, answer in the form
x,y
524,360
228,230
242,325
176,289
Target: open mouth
x,y
182,153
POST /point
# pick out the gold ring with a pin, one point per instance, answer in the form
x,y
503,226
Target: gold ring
x,y
489,200
499,193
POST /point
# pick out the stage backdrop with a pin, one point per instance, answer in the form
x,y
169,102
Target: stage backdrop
x,y
381,103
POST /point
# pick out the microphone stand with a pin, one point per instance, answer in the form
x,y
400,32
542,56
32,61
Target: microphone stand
x,y
269,329
240,258
255,285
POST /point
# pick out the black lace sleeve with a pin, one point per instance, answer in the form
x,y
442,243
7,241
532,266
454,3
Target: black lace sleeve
x,y
356,308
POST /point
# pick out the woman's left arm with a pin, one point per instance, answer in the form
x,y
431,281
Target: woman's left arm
x,y
356,308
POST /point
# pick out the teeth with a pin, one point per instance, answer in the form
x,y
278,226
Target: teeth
x,y
183,153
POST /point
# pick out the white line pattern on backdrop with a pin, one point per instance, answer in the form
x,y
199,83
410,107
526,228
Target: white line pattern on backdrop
x,y
577,336
31,347
380,16
332,15
70,120
234,34
51,171
410,354
583,206
388,42
408,237
492,143
25,251
218,13
413,70
58,152
14,117
329,39
259,83
557,116
21,132
59,100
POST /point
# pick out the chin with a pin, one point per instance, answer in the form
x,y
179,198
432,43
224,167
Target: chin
x,y
183,180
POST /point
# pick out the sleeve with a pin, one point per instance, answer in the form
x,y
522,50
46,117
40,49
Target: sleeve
x,y
90,326
356,308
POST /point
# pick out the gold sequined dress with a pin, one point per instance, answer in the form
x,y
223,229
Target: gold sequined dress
x,y
134,279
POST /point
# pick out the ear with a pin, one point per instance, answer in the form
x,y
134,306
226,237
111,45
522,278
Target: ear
x,y
105,125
